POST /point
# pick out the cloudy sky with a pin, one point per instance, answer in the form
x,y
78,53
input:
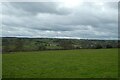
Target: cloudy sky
x,y
81,20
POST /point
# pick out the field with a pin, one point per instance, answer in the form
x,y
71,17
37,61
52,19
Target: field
x,y
83,63
0,65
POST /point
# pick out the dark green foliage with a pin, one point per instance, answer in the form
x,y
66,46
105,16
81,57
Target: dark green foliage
x,y
19,45
118,45
66,44
40,45
108,46
98,46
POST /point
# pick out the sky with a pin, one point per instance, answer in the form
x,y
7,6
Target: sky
x,y
68,19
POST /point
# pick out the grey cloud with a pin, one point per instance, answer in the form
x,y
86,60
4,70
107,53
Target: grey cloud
x,y
45,19
39,7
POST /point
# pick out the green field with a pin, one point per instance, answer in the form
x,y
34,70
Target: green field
x,y
0,65
83,63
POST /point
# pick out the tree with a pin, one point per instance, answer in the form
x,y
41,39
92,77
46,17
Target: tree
x,y
66,44
98,46
40,45
18,44
108,46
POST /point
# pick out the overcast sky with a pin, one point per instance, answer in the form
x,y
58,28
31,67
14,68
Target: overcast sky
x,y
81,20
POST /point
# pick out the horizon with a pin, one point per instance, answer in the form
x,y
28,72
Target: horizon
x,y
60,38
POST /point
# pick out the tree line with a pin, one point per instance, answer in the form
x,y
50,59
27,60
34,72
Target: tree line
x,y
37,44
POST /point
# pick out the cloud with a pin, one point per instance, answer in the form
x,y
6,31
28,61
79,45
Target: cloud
x,y
33,8
51,19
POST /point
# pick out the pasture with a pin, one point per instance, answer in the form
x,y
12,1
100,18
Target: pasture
x,y
83,63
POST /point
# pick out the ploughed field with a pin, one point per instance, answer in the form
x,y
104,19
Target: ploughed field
x,y
83,63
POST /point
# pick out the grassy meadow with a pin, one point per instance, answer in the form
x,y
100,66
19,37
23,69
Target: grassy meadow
x,y
82,63
0,65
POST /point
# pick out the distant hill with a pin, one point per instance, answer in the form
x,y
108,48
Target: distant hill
x,y
13,44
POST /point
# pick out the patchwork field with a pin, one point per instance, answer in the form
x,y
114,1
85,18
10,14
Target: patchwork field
x,y
83,63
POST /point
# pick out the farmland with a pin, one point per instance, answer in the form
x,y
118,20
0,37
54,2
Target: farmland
x,y
81,63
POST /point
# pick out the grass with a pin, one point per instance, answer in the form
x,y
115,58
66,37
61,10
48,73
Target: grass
x,y
0,65
84,63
